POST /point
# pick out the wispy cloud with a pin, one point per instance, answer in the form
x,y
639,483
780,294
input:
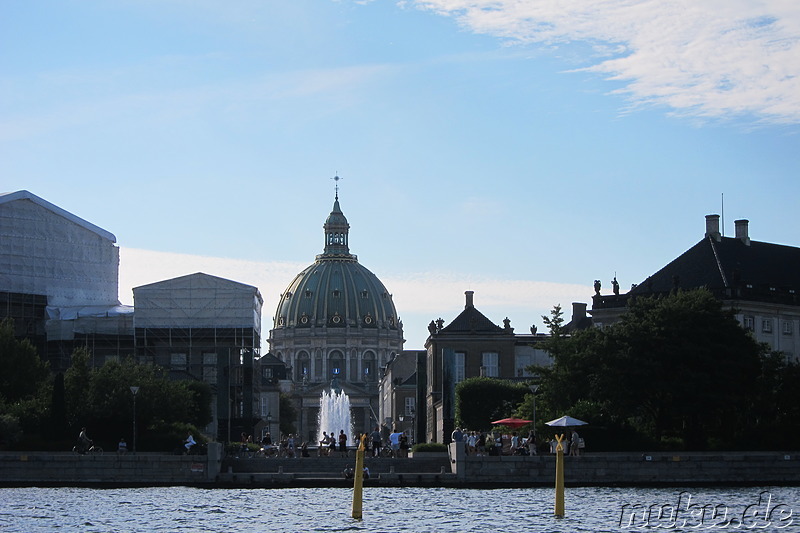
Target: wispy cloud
x,y
419,297
713,58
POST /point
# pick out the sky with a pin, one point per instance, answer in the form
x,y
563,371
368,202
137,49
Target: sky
x,y
517,149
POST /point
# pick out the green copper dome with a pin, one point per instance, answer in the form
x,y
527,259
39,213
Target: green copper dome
x,y
336,291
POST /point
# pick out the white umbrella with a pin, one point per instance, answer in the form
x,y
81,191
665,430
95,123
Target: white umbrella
x,y
566,421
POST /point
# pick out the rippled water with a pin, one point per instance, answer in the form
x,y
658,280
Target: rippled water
x,y
184,509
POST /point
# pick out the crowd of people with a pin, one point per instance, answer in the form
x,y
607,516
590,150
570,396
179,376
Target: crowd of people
x,y
382,443
378,443
480,443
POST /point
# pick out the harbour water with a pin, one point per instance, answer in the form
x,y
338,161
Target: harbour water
x,y
588,509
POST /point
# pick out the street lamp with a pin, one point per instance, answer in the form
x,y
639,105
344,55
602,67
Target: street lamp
x,y
533,389
411,411
134,390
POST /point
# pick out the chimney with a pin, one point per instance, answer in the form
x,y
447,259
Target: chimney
x,y
712,227
469,299
578,312
742,231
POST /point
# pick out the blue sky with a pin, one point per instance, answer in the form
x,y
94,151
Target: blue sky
x,y
517,149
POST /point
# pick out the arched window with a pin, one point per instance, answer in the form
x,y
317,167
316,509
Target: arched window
x,y
368,365
336,365
302,367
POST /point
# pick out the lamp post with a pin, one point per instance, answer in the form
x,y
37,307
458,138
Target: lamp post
x,y
533,389
134,390
411,411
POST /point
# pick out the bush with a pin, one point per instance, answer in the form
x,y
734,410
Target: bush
x,y
428,447
10,431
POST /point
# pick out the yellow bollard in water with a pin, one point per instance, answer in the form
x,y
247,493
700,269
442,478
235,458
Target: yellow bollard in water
x,y
358,477
559,511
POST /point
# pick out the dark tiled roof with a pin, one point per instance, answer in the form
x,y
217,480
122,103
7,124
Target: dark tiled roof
x,y
730,265
582,323
269,359
472,321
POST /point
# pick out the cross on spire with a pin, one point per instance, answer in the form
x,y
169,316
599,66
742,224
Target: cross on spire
x,y
336,179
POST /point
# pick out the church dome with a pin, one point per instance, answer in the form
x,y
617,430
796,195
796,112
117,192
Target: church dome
x,y
336,291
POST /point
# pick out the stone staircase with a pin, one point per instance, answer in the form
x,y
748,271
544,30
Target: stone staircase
x,y
328,471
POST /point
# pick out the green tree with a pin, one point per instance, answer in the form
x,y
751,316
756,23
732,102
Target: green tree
x,y
287,414
25,389
675,368
24,373
101,400
480,400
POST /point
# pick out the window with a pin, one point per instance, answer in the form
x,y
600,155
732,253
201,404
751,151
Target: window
x,y
788,327
209,369
766,325
410,404
302,367
459,366
749,323
264,407
521,362
177,359
491,367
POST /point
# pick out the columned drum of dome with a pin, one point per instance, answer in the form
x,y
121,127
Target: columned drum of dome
x,y
336,320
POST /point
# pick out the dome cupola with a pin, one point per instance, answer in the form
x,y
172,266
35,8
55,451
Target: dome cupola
x,y
336,291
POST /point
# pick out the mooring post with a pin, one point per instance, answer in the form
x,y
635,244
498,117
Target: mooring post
x,y
559,511
358,477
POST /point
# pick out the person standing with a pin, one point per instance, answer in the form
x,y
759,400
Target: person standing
x,y
375,436
342,443
531,442
394,442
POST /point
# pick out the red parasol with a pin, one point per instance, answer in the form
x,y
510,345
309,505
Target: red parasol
x,y
511,422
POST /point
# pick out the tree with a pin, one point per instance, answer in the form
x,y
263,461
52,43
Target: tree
x,y
24,373
101,400
479,400
287,414
25,385
677,367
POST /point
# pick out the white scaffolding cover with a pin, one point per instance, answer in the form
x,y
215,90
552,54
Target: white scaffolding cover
x,y
197,301
47,250
64,322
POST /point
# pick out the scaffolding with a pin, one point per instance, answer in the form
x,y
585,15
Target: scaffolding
x,y
47,250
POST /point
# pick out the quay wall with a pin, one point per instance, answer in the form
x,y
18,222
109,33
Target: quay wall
x,y
457,470
625,469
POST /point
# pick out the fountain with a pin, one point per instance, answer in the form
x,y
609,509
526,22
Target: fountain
x,y
334,413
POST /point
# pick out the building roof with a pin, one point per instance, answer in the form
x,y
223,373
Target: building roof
x,y
25,195
336,291
733,268
470,320
730,264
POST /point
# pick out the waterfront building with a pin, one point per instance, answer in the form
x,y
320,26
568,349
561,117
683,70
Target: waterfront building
x,y
469,346
402,389
59,283
760,281
335,320
205,328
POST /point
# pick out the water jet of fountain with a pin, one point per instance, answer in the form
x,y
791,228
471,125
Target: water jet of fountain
x,y
334,415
